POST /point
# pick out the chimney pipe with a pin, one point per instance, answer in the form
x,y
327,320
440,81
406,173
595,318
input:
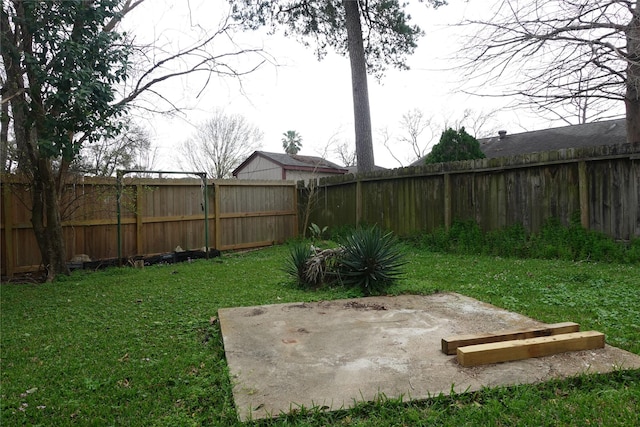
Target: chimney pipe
x,y
502,134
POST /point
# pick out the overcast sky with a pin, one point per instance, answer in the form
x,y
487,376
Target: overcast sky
x,y
314,98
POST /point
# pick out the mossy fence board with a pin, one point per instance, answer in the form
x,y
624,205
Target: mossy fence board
x,y
157,215
599,185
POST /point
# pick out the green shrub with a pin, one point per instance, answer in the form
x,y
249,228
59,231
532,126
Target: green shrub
x,y
436,241
554,241
510,241
633,251
370,260
315,232
454,146
466,237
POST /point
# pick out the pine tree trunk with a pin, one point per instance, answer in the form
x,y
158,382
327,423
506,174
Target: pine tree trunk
x,y
361,112
4,134
632,96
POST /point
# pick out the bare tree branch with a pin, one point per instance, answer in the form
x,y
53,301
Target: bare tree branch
x,y
212,53
220,144
576,53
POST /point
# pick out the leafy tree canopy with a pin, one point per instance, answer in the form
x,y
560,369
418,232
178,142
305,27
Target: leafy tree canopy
x,y
455,145
68,66
387,34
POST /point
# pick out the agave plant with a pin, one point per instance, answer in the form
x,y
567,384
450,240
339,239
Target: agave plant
x,y
371,260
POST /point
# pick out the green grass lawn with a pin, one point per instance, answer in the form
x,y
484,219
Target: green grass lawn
x,y
138,347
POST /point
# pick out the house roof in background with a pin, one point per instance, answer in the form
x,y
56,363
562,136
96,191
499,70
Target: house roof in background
x,y
607,132
295,162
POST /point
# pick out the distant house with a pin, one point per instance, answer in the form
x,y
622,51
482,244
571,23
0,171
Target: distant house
x,y
607,132
276,166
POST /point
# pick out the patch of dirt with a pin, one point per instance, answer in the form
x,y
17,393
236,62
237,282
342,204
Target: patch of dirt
x,y
303,305
360,306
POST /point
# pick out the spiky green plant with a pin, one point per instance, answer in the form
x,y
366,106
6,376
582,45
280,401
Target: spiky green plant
x,y
371,260
299,254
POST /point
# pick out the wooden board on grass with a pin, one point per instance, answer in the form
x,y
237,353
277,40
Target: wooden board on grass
x,y
450,344
505,351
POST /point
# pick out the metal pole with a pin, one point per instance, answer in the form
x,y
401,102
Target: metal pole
x,y
118,195
206,216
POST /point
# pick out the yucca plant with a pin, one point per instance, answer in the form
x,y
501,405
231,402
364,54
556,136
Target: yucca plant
x,y
321,266
299,254
370,260
311,266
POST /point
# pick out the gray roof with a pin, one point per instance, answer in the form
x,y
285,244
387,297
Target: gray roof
x,y
296,162
607,132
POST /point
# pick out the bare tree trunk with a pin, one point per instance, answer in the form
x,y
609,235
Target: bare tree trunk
x,y
632,96
361,113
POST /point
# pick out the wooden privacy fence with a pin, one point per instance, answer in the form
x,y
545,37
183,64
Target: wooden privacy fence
x,y
157,215
601,184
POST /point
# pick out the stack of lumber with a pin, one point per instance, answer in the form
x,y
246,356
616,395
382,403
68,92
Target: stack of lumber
x,y
474,350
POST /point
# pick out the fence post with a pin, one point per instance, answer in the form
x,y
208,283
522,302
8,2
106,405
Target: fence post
x,y
139,224
216,210
447,201
358,201
8,230
583,190
296,221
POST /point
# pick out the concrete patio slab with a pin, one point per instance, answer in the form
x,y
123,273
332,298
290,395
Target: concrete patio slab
x,y
332,354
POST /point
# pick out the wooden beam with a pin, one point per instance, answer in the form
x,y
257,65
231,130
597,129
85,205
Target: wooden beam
x,y
257,214
249,245
253,182
483,354
451,344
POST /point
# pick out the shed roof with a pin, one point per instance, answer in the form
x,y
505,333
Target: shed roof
x,y
295,162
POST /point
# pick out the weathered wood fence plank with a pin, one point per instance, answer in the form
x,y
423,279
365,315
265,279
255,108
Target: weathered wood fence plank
x,y
599,185
157,216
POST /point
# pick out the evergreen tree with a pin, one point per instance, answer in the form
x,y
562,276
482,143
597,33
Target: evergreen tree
x,y
455,145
